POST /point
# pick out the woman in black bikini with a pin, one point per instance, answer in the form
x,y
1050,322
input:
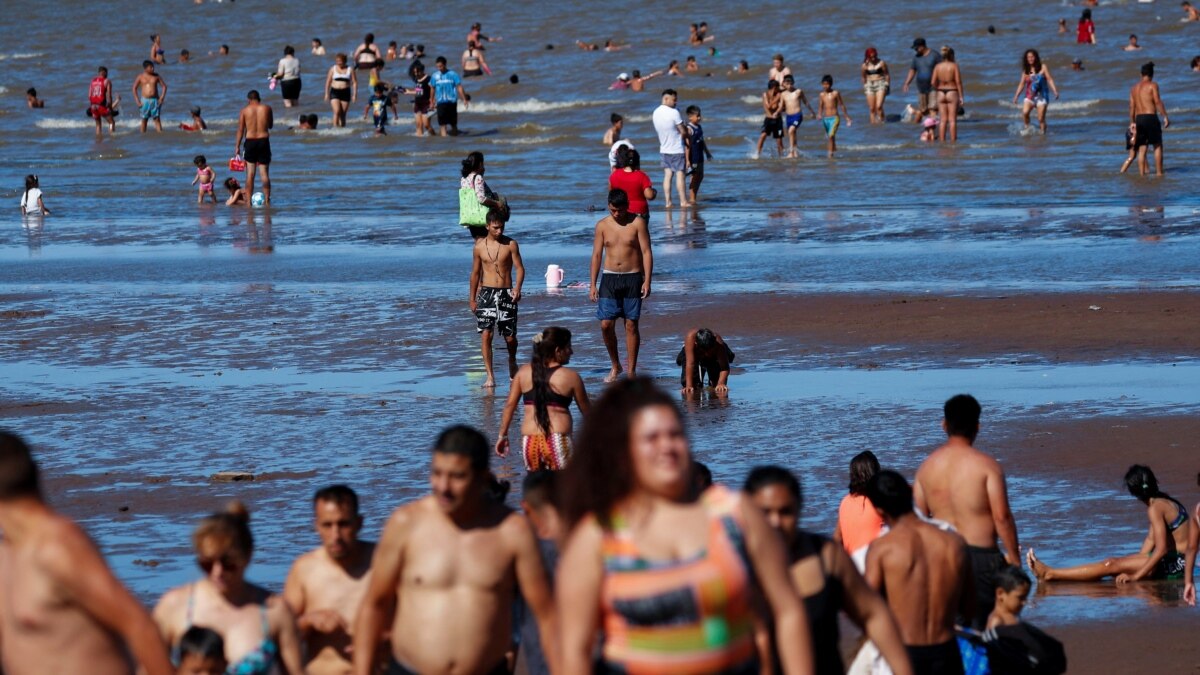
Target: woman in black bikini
x,y
947,81
1161,555
824,576
341,88
547,387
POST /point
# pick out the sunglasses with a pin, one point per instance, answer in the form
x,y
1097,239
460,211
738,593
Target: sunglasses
x,y
228,562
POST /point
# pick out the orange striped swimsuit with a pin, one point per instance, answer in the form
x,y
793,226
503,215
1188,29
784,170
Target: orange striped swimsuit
x,y
689,616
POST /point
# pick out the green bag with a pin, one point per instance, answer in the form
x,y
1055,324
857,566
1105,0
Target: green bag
x,y
470,211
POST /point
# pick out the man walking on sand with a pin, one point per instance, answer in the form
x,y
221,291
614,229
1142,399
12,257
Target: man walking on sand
x,y
62,610
1145,105
966,488
622,241
671,133
325,586
923,573
254,125
448,568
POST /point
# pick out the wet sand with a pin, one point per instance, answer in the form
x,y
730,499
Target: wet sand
x,y
1056,327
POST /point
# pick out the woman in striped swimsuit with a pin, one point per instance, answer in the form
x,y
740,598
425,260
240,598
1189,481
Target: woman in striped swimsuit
x,y
667,575
546,428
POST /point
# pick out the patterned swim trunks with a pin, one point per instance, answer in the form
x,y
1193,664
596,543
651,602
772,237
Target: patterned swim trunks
x,y
495,310
542,451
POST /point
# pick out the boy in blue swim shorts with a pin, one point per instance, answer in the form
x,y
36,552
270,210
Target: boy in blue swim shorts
x,y
830,100
147,97
793,116
622,243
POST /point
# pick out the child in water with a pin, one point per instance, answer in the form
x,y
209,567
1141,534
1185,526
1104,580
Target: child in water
x,y
197,123
830,100
378,106
207,179
32,100
201,652
31,200
929,130
1131,146
1012,590
237,196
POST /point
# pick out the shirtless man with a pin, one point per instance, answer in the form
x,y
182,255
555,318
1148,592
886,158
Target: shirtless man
x,y
793,98
965,488
1145,105
494,296
326,585
449,566
146,96
63,610
1190,13
923,573
638,83
623,242
254,125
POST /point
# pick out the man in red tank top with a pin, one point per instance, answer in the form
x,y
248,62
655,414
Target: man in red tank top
x,y
100,101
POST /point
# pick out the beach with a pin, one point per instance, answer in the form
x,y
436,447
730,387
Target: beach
x,y
147,343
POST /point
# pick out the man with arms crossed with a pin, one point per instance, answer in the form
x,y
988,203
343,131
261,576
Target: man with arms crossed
x,y
965,488
923,573
448,567
63,611
1145,105
325,586
254,125
623,242
671,134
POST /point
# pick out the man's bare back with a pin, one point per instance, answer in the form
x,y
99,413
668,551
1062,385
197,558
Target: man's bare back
x,y
45,627
621,241
924,575
455,586
966,488
257,119
325,598
1144,98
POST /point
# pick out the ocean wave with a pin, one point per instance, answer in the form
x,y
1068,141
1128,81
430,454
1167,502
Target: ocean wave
x,y
871,146
531,105
751,100
3,89
21,55
535,140
333,131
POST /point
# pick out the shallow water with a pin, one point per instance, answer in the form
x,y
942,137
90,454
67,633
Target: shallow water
x,y
148,343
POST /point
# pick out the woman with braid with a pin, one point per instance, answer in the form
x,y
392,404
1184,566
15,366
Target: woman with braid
x,y
547,387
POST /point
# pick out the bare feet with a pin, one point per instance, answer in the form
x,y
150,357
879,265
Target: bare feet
x,y
1036,566
489,383
613,375
668,205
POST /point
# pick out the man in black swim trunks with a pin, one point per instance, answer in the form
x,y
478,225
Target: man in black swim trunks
x,y
254,125
704,356
1145,105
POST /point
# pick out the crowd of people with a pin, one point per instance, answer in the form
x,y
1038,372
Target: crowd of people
x,y
624,557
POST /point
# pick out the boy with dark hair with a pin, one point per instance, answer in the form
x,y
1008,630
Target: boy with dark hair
x,y
697,151
201,652
772,103
1012,590
830,100
494,296
378,106
622,243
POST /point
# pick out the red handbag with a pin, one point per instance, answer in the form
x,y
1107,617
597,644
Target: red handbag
x,y
236,163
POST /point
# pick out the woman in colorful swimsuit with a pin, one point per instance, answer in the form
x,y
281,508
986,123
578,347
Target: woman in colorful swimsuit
x,y
669,577
257,627
1037,84
547,387
1161,556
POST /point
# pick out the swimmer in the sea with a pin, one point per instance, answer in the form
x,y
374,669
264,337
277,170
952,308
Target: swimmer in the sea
x,y
1190,13
197,123
691,66
318,49
32,100
157,53
638,83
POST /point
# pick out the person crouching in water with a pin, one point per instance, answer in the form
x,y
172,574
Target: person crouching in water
x,y
704,355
